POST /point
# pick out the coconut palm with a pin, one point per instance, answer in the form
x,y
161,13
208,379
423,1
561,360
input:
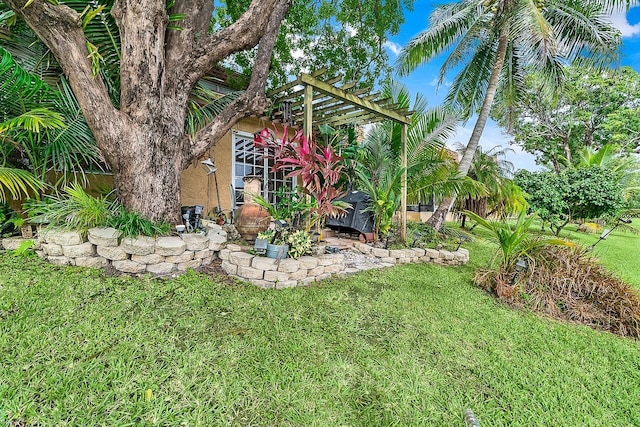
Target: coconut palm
x,y
495,43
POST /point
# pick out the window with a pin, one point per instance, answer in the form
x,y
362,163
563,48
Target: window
x,y
248,160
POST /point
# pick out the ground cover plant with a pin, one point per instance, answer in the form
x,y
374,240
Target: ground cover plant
x,y
409,345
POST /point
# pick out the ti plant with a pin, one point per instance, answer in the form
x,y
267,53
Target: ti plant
x,y
318,167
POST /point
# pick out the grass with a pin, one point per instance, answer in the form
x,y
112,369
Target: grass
x,y
619,251
410,345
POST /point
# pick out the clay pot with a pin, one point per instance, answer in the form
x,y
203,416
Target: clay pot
x,y
250,219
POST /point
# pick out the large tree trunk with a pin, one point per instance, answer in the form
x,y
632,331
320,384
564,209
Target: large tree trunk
x,y
439,216
143,140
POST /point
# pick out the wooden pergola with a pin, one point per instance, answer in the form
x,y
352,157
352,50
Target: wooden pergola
x,y
310,102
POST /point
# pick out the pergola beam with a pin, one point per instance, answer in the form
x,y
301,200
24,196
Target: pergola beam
x,y
341,94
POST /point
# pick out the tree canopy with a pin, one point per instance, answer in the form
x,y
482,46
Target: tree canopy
x,y
138,69
592,109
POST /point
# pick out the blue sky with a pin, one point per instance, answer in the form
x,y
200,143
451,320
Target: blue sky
x,y
424,78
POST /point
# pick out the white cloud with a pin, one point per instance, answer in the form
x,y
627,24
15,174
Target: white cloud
x,y
393,47
619,20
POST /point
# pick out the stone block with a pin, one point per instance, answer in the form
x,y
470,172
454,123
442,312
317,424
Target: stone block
x,y
224,254
289,265
13,243
333,268
351,270
203,254
424,259
308,262
326,259
446,255
183,257
141,245
128,266
114,254
432,253
233,247
265,264
397,253
459,256
194,263
217,242
41,254
52,249
147,259
286,284
100,236
363,247
212,227
303,273
92,262
170,246
389,260
161,268
78,251
264,284
60,260
464,251
64,238
418,252
404,260
307,282
250,273
323,277
316,271
229,268
195,242
380,253
276,276
241,258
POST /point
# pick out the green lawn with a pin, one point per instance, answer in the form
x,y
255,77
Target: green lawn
x,y
620,251
409,345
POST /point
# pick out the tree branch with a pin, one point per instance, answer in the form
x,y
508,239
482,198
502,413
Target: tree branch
x,y
243,34
254,99
60,28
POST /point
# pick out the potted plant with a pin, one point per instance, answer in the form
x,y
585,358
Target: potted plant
x,y
276,243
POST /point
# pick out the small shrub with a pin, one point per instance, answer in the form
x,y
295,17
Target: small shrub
x,y
73,208
299,243
590,228
132,224
569,284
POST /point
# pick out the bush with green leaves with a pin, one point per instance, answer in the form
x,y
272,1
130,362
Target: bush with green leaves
x,y
299,243
582,193
132,224
72,208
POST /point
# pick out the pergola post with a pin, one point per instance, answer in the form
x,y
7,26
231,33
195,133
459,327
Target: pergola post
x,y
403,197
307,123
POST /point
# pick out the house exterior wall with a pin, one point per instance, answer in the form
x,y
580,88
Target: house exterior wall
x,y
200,189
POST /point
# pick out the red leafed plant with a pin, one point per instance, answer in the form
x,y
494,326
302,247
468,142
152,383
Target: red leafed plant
x,y
318,167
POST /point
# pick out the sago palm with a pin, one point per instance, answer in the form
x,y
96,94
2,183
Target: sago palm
x,y
494,43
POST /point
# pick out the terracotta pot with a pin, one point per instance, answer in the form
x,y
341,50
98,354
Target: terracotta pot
x,y
250,219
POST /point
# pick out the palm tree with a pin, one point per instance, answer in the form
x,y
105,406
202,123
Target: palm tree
x,y
502,196
496,42
430,169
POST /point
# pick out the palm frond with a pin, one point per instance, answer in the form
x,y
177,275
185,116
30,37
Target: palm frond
x,y
17,183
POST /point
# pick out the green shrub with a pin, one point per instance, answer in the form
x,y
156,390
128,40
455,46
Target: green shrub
x,y
73,208
133,224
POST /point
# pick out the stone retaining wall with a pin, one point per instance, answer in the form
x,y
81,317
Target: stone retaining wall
x,y
104,246
166,255
271,273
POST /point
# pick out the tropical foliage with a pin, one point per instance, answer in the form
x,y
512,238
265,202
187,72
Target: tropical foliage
x,y
493,45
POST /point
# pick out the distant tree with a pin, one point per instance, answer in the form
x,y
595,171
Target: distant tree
x,y
582,193
496,43
593,109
